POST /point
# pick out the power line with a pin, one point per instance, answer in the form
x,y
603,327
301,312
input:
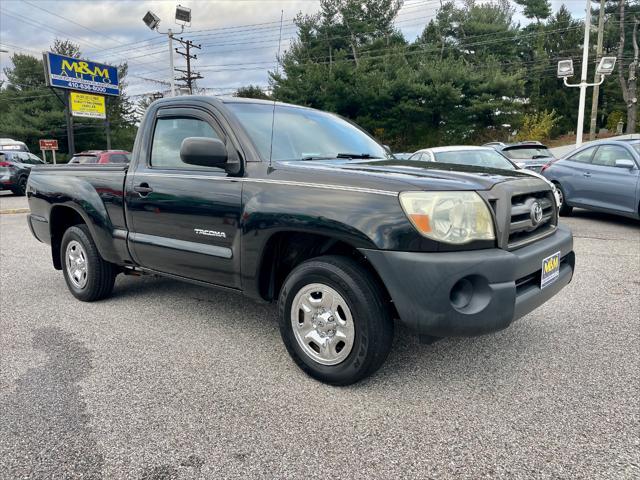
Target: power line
x,y
90,30
39,25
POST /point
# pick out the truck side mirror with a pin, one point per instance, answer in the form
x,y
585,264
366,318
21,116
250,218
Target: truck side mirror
x,y
204,152
625,163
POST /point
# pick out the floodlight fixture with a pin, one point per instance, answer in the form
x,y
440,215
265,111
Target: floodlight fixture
x,y
606,66
183,14
565,68
151,20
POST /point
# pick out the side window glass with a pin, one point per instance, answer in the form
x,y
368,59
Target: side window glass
x,y
583,156
118,158
168,137
607,155
415,156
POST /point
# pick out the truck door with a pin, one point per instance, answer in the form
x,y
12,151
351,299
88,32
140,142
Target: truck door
x,y
184,219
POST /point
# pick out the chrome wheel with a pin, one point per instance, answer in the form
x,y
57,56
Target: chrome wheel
x,y
76,259
322,324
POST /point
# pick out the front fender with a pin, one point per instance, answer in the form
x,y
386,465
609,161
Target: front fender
x,y
360,219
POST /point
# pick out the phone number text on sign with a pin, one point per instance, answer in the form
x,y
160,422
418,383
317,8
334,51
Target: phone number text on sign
x,y
89,88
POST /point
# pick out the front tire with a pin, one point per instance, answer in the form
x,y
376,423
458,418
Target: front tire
x,y
88,276
335,320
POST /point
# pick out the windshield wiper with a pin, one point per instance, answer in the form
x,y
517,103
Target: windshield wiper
x,y
317,157
355,155
338,155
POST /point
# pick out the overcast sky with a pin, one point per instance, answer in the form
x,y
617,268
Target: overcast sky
x,y
239,38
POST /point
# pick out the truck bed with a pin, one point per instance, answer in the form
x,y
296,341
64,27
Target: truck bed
x,y
96,191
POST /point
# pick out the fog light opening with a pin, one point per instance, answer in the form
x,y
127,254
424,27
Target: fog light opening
x,y
461,293
470,295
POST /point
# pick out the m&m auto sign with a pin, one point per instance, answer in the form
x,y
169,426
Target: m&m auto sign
x,y
82,75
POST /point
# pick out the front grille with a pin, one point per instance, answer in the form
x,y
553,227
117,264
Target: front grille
x,y
533,216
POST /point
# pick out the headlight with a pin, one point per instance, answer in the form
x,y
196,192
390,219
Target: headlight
x,y
449,217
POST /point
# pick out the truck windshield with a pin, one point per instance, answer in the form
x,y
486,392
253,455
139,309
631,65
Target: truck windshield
x,y
304,134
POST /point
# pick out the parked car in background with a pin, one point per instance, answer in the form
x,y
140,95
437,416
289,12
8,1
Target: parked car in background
x,y
9,144
530,155
485,157
15,167
101,156
402,156
602,176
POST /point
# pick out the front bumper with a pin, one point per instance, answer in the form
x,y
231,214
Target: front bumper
x,y
470,293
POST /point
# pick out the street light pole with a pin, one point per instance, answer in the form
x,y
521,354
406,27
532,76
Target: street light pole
x,y
583,78
152,21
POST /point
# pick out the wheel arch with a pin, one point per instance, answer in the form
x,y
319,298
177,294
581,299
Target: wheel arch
x,y
61,218
285,250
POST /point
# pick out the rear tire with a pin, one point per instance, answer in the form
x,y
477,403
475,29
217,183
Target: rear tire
x,y
565,210
21,187
335,320
88,276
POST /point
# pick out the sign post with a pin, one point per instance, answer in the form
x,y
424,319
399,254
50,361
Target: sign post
x,y
48,145
71,143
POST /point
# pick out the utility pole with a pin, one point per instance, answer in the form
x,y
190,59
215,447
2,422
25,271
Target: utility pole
x,y
172,79
189,76
596,88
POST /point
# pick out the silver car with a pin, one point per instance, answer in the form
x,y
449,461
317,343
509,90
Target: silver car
x,y
473,156
602,176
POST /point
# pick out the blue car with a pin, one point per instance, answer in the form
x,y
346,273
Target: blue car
x,y
602,176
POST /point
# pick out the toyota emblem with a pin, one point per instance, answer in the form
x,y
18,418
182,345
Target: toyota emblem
x,y
536,213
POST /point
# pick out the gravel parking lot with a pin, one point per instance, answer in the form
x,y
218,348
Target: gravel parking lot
x,y
168,380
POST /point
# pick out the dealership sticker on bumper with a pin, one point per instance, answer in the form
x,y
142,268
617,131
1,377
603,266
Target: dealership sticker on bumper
x,y
550,269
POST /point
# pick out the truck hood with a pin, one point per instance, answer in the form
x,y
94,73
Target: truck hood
x,y
402,173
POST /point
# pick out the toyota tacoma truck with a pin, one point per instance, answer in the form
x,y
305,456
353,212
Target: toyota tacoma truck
x,y
297,206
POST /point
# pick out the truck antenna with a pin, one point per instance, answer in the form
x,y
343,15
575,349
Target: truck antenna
x,y
273,113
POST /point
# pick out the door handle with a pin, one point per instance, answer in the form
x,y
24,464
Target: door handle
x,y
587,174
143,189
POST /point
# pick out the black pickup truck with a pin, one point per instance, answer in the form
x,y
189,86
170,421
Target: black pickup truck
x,y
290,204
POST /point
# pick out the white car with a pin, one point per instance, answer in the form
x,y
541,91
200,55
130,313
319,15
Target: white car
x,y
486,157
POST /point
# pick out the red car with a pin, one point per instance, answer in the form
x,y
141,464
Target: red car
x,y
102,156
